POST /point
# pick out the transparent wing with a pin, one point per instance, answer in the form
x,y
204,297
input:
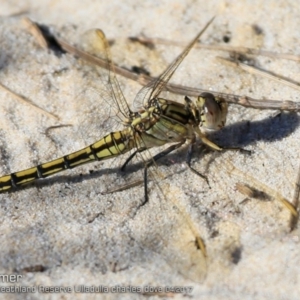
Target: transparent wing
x,y
100,100
154,88
96,42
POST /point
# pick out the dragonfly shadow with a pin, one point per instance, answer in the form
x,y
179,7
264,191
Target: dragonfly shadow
x,y
244,133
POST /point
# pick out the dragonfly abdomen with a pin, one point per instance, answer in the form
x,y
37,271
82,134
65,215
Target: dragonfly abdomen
x,y
113,144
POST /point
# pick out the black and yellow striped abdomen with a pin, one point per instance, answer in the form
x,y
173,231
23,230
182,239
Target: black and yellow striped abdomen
x,y
147,130
111,145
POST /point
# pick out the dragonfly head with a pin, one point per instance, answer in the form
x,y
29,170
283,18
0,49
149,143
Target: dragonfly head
x,y
213,112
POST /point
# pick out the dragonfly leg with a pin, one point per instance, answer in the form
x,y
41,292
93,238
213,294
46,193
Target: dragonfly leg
x,y
132,155
214,146
188,162
154,159
237,149
217,147
147,165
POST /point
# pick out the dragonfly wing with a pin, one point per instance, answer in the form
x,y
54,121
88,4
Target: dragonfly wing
x,y
97,44
154,88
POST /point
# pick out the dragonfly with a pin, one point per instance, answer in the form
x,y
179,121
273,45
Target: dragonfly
x,y
159,122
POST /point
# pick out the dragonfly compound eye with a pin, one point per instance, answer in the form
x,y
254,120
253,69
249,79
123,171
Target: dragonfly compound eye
x,y
213,111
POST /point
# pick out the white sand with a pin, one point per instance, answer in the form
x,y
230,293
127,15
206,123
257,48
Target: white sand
x,y
84,238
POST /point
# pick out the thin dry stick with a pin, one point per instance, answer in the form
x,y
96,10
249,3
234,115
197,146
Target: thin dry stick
x,y
34,29
262,187
28,102
244,50
263,73
295,201
251,192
